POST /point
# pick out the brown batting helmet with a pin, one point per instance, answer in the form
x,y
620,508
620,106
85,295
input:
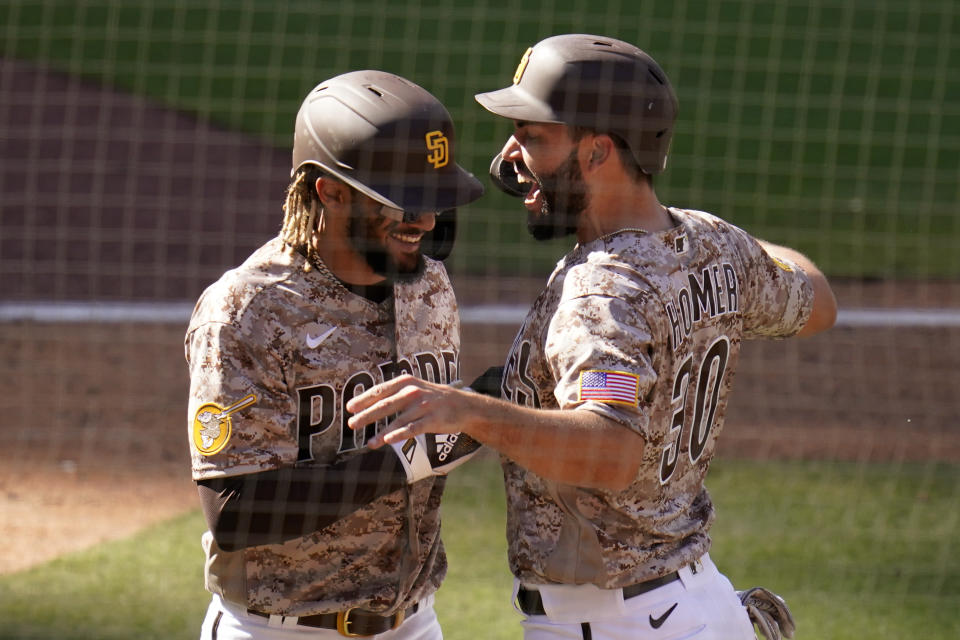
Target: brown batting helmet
x,y
600,83
386,137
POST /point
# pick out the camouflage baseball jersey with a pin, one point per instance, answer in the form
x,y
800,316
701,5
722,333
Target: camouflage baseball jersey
x,y
275,352
645,329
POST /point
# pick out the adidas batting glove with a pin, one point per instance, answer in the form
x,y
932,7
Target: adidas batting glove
x,y
434,454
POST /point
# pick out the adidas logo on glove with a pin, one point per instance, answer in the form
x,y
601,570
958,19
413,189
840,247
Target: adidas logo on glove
x,y
434,454
444,444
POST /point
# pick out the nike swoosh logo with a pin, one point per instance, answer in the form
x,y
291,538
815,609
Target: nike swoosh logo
x,y
314,341
656,623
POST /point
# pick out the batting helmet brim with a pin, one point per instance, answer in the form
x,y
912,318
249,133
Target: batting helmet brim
x,y
457,187
517,104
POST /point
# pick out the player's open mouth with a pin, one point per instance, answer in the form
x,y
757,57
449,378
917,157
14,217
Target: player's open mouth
x,y
533,200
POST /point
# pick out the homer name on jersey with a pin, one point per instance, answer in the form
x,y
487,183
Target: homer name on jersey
x,y
712,292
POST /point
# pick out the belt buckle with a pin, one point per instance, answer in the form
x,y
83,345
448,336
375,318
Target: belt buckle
x,y
400,615
343,625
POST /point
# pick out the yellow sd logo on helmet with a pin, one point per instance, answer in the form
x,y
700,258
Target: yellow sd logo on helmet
x,y
522,66
439,149
212,425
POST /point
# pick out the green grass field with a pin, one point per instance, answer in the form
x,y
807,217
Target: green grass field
x,y
859,550
833,127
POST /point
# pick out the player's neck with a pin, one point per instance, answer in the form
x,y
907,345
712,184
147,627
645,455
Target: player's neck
x,y
626,206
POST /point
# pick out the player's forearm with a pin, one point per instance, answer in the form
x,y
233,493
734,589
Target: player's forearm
x,y
569,446
274,506
573,447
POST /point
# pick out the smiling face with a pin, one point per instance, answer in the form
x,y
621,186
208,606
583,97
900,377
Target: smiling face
x,y
390,247
545,158
361,241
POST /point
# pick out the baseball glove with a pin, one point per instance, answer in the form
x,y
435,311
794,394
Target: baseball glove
x,y
769,612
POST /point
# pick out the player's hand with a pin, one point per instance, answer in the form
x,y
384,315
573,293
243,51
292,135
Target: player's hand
x,y
420,407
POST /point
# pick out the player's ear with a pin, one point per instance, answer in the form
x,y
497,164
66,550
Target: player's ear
x,y
601,148
332,193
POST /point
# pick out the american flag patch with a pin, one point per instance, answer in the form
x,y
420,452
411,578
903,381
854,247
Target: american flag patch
x,y
609,386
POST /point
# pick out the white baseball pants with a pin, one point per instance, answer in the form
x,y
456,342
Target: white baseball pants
x,y
701,605
227,621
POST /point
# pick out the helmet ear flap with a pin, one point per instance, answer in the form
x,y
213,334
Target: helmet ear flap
x,y
438,244
505,178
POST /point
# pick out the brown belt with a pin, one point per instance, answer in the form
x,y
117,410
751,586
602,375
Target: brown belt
x,y
352,623
531,604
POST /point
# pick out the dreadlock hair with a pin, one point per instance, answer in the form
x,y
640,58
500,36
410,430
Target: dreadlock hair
x,y
301,210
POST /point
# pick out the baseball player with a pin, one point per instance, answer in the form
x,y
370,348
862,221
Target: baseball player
x,y
615,389
312,533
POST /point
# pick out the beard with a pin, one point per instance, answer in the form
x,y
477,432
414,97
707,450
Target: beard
x,y
564,199
365,240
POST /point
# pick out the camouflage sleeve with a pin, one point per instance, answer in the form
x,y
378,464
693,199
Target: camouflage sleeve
x,y
777,296
240,414
596,349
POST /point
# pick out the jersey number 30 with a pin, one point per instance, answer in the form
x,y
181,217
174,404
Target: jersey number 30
x,y
706,394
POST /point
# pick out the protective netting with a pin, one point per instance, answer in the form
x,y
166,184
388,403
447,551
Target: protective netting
x,y
145,149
